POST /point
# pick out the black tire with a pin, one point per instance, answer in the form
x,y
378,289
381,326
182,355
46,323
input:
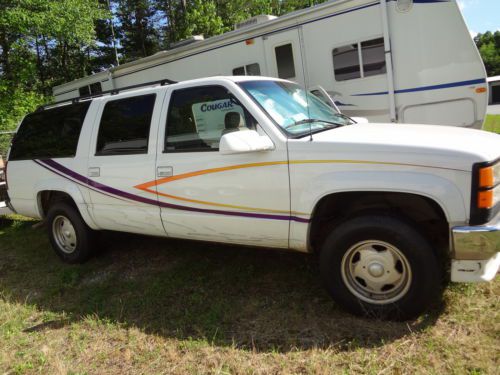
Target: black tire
x,y
82,237
350,247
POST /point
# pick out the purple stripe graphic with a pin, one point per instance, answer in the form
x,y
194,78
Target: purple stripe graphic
x,y
108,189
79,183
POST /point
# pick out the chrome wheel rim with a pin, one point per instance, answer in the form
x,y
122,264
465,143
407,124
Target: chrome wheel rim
x,y
376,272
64,234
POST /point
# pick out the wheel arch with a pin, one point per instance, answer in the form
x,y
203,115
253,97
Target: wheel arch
x,y
428,214
47,194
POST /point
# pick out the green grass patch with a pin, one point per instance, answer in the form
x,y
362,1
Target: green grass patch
x,y
146,305
492,123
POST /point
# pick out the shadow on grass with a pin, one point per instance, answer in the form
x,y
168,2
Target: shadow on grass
x,y
253,299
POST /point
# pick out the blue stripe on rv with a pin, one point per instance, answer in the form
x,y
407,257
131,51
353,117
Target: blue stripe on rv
x,y
428,88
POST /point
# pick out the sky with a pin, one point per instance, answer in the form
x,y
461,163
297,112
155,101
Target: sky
x,y
481,15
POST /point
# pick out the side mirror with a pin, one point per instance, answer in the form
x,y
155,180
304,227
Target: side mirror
x,y
242,141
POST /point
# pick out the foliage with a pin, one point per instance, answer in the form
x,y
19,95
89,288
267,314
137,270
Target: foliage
x,y
44,43
163,306
489,48
492,123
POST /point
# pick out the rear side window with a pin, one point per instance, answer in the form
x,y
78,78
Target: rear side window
x,y
124,127
52,133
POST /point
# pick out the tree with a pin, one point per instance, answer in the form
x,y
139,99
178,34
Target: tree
x,y
42,43
489,48
139,36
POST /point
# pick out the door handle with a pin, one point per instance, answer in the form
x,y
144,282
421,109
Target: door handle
x,y
164,172
94,172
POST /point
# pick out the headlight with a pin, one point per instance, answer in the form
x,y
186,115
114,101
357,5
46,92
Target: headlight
x,y
485,192
488,198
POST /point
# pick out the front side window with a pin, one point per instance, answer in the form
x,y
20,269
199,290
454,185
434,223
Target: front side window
x,y
51,133
284,61
198,117
293,109
359,60
124,127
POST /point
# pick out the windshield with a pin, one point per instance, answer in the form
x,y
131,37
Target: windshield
x,y
293,109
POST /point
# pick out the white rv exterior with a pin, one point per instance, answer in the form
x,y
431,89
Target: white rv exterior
x,y
408,61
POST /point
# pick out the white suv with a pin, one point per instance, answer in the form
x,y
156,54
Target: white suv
x,y
390,209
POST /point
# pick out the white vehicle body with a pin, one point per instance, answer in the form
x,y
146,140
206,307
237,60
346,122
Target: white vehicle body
x,y
264,188
430,73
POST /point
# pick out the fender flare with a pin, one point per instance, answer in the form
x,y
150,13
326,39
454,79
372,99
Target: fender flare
x,y
70,188
439,189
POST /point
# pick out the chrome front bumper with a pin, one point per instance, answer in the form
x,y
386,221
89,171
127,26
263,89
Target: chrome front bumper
x,y
476,252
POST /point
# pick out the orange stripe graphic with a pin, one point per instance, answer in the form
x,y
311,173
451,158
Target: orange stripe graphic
x,y
148,185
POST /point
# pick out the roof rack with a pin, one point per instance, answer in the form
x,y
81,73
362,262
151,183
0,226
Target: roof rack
x,y
161,82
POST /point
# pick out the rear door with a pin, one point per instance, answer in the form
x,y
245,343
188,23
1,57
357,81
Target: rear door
x,y
122,156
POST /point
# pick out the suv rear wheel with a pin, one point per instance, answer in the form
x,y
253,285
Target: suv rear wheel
x,y
380,266
71,238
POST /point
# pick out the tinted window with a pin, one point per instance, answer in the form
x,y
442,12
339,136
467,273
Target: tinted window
x,y
346,62
84,91
253,70
249,70
284,61
52,133
239,71
96,88
373,57
198,117
124,127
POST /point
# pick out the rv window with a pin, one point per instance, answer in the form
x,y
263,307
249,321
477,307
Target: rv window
x,y
84,91
373,57
96,88
124,127
284,61
198,117
346,62
253,70
52,133
249,70
239,71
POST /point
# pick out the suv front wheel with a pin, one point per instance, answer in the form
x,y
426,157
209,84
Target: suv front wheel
x,y
71,238
380,266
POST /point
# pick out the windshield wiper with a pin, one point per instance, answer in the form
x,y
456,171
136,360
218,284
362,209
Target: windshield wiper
x,y
311,120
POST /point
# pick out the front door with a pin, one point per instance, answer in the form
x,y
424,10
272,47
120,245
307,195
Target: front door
x,y
241,198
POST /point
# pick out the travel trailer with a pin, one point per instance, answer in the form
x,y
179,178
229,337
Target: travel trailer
x,y
407,61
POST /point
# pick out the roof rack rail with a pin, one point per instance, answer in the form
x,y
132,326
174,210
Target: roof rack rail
x,y
161,82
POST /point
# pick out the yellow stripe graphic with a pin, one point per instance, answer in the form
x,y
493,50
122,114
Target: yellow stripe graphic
x,y
148,185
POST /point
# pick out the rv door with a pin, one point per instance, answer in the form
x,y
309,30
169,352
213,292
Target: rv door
x,y
283,55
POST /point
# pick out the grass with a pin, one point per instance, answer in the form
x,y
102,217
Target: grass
x,y
492,123
146,305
